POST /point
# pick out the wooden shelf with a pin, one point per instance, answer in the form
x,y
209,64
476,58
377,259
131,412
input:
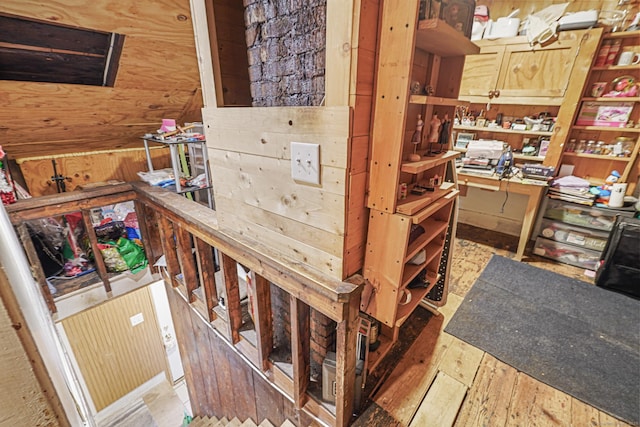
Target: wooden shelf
x,y
616,68
433,228
438,37
404,311
375,357
414,203
607,129
435,100
612,99
598,157
428,162
500,130
621,35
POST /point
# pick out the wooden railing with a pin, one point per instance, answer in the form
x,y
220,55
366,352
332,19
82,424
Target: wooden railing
x,y
197,255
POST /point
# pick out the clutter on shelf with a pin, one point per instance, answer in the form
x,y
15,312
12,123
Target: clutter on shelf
x,y
7,189
171,132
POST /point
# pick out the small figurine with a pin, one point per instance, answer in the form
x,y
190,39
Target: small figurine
x,y
434,131
604,191
416,139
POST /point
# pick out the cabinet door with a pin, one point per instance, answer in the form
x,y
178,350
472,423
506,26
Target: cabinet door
x,y
480,73
539,72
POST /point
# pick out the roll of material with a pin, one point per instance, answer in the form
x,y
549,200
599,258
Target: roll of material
x,y
616,200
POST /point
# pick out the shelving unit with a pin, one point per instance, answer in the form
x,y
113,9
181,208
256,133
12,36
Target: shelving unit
x,y
405,227
596,167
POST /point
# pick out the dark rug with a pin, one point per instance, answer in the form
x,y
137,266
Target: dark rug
x,y
571,335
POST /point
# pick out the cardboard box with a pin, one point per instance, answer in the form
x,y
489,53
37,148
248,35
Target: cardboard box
x,y
608,114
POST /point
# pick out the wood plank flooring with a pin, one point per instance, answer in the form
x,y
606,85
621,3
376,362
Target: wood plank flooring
x,y
442,381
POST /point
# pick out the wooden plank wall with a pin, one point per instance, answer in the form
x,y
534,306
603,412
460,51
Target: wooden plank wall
x,y
498,8
250,158
219,382
86,168
157,78
363,60
114,356
23,400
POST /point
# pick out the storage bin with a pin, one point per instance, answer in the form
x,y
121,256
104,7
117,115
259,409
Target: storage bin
x,y
567,254
582,216
576,236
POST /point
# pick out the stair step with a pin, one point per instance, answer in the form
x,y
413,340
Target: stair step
x,y
248,423
222,423
212,422
197,422
235,422
266,423
287,423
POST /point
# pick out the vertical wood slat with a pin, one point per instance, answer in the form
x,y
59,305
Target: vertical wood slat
x,y
185,256
346,360
145,233
36,267
300,350
207,277
169,248
262,318
97,255
234,311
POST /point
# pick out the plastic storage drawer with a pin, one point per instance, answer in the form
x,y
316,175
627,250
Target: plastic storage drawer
x,y
582,216
567,254
583,237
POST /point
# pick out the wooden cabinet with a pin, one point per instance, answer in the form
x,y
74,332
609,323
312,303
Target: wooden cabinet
x,y
407,231
510,71
511,78
595,163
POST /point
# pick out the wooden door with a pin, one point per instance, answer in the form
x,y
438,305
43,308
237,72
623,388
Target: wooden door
x,y
114,356
480,73
536,73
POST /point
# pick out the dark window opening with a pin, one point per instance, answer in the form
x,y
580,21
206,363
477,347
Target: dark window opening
x,y
42,52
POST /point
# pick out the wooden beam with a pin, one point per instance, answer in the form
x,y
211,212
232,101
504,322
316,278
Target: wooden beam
x,y
234,311
203,49
36,266
145,234
101,267
346,360
169,248
300,350
206,271
187,262
340,15
262,318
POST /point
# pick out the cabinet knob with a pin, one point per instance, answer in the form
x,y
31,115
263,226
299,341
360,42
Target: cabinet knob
x,y
491,93
496,93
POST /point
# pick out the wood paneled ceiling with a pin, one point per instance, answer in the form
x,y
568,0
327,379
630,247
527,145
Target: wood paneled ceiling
x,y
157,78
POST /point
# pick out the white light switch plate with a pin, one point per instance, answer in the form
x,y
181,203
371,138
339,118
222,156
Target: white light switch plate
x,y
136,319
305,162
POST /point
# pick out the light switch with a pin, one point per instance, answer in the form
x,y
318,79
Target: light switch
x,y
136,319
305,162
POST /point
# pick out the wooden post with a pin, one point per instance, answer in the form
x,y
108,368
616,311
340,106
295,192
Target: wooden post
x,y
262,318
145,233
300,350
206,272
101,267
36,267
169,248
234,311
346,360
185,256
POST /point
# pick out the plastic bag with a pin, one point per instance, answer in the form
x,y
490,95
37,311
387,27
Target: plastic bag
x,y
112,258
132,254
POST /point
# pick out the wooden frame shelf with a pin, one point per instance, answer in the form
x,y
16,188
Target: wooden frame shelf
x,y
416,296
500,130
612,99
621,35
515,156
616,68
414,203
424,241
598,157
438,37
607,129
428,162
435,100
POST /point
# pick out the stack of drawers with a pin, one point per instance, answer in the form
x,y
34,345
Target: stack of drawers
x,y
574,234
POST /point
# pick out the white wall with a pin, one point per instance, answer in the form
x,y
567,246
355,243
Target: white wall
x,y
165,321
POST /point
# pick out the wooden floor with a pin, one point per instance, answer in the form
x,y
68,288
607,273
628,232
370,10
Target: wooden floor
x,y
442,381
